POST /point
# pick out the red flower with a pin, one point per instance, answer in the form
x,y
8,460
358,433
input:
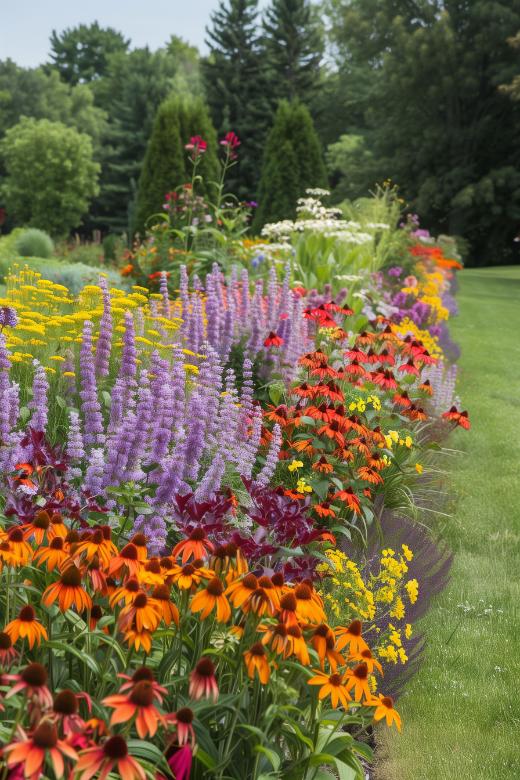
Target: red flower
x,y
273,340
460,418
197,145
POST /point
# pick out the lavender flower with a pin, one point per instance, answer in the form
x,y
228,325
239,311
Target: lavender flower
x,y
271,460
39,402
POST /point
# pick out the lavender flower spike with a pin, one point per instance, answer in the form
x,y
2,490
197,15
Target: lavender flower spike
x,y
271,460
39,403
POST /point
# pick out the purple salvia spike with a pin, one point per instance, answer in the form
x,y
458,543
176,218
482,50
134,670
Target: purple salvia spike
x,y
155,531
211,480
90,406
104,342
247,449
141,433
75,449
13,401
139,321
5,368
272,300
39,402
69,367
128,369
116,406
271,460
285,295
163,289
245,298
93,483
170,477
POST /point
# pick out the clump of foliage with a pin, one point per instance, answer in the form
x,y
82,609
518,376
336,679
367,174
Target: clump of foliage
x,y
34,243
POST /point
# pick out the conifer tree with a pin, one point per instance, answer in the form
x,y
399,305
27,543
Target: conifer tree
x,y
166,164
236,87
293,162
293,44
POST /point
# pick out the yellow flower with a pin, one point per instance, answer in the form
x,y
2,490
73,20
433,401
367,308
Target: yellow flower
x,y
69,373
408,631
408,441
303,487
412,588
408,554
419,469
58,358
295,464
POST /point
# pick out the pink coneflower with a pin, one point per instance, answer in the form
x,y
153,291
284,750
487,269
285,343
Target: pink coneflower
x,y
34,750
32,680
203,683
7,651
180,763
111,756
183,721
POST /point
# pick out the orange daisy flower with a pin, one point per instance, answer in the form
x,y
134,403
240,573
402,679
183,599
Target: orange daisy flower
x,y
277,636
402,399
426,387
324,510
139,540
348,496
304,391
288,606
323,466
41,746
112,756
68,591
139,639
332,685
189,575
228,558
357,679
38,527
151,573
370,475
21,549
142,612
297,645
367,657
257,663
26,626
309,607
126,592
127,561
196,545
57,527
164,605
351,637
323,641
93,545
32,680
460,418
273,340
138,703
210,598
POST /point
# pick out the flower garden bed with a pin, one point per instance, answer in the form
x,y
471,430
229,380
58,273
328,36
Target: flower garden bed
x,y
209,561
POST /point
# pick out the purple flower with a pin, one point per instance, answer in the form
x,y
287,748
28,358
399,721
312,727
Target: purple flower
x,y
8,317
396,270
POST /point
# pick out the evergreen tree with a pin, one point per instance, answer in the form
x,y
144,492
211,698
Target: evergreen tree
x,y
166,164
81,54
436,120
236,87
293,42
292,163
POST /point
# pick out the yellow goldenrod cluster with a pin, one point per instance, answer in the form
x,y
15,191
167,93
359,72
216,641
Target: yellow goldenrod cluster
x,y
408,326
379,598
360,404
394,437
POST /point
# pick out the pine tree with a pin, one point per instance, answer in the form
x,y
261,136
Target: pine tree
x,y
293,42
293,162
236,87
166,164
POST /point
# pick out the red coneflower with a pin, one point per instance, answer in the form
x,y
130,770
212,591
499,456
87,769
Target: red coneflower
x,y
402,399
33,751
409,368
167,609
26,626
460,418
203,683
197,545
324,509
426,387
273,340
32,680
65,708
68,591
348,497
277,414
304,390
138,703
384,379
112,756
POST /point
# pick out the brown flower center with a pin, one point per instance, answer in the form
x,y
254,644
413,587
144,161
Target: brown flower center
x,y
45,735
132,585
142,694
197,535
288,602
361,671
143,673
141,600
27,614
388,702
15,535
250,582
71,577
205,668
42,520
115,748
96,613
322,630
355,628
129,552
214,587
153,566
57,543
185,715
265,582
277,579
258,649
34,675
295,632
303,593
5,641
335,679
65,702
139,540
188,570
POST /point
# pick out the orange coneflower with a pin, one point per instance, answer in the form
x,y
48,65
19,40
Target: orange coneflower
x,y
416,413
241,590
348,496
312,359
460,418
96,613
367,657
209,598
324,509
189,575
323,641
228,558
21,549
126,592
375,461
7,651
384,379
357,679
112,756
279,585
165,606
426,387
196,545
138,703
332,685
304,390
385,709
402,399
38,527
351,637
409,368
139,540
32,680
152,573
277,414
297,646
332,431
257,663
139,639
302,445
370,475
277,636
127,559
361,445
57,527
94,545
203,683
309,606
323,466
26,626
33,751
142,673
68,591
97,577
142,612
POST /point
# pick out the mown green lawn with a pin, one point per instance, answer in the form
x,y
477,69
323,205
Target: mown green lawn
x,y
461,712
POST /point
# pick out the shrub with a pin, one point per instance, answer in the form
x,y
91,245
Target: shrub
x,y
166,165
50,174
293,162
34,243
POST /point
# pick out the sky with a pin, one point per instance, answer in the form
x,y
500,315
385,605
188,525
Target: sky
x,y
25,26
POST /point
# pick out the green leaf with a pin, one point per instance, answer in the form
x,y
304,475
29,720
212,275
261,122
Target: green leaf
x,y
273,757
81,655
